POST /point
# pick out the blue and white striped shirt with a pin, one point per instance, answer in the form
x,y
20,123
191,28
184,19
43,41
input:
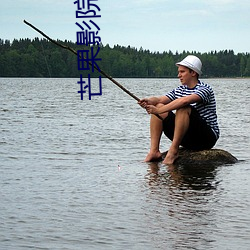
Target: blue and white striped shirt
x,y
206,108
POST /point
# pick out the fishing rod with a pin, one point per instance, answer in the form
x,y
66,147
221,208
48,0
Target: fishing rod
x,y
98,69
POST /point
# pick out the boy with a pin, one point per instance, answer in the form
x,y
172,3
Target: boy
x,y
194,125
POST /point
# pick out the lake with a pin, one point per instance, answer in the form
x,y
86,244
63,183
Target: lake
x,y
72,174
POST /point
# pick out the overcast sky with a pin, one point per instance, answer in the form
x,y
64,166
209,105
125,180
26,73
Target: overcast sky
x,y
157,25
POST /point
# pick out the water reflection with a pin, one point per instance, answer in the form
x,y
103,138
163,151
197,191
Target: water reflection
x,y
183,177
183,198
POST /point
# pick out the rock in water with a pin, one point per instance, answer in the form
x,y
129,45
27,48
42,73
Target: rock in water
x,y
205,157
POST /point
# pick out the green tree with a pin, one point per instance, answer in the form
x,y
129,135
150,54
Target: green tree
x,y
247,69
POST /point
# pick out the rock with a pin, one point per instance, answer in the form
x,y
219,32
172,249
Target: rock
x,y
213,157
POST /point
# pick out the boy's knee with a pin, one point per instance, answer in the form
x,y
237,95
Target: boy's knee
x,y
159,105
184,110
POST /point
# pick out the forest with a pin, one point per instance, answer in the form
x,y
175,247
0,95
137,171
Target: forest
x,y
41,58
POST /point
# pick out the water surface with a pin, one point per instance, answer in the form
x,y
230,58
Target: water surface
x,y
72,175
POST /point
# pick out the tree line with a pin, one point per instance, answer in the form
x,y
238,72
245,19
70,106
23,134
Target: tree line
x,y
41,58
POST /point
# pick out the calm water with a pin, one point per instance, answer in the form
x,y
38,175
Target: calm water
x,y
72,175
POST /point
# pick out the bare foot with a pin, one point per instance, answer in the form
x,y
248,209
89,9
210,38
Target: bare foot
x,y
170,157
153,156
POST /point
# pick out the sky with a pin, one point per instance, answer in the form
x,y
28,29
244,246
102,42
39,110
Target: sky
x,y
155,25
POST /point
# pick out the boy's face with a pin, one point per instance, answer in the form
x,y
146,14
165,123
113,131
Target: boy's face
x,y
185,75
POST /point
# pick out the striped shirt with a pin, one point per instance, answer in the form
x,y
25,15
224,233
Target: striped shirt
x,y
206,108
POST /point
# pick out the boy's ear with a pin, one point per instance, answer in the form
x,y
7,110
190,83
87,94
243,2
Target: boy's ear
x,y
194,73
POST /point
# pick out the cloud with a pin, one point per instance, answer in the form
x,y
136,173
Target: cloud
x,y
221,2
147,2
225,5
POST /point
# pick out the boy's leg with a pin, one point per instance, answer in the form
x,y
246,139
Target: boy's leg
x,y
181,127
156,128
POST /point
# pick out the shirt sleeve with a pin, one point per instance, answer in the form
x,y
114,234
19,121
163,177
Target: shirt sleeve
x,y
171,95
205,94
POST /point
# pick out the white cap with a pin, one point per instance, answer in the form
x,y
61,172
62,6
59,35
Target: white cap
x,y
191,62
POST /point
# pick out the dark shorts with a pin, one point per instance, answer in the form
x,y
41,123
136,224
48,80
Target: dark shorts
x,y
199,135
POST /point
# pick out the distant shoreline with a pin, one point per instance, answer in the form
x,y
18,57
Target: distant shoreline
x,y
41,58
